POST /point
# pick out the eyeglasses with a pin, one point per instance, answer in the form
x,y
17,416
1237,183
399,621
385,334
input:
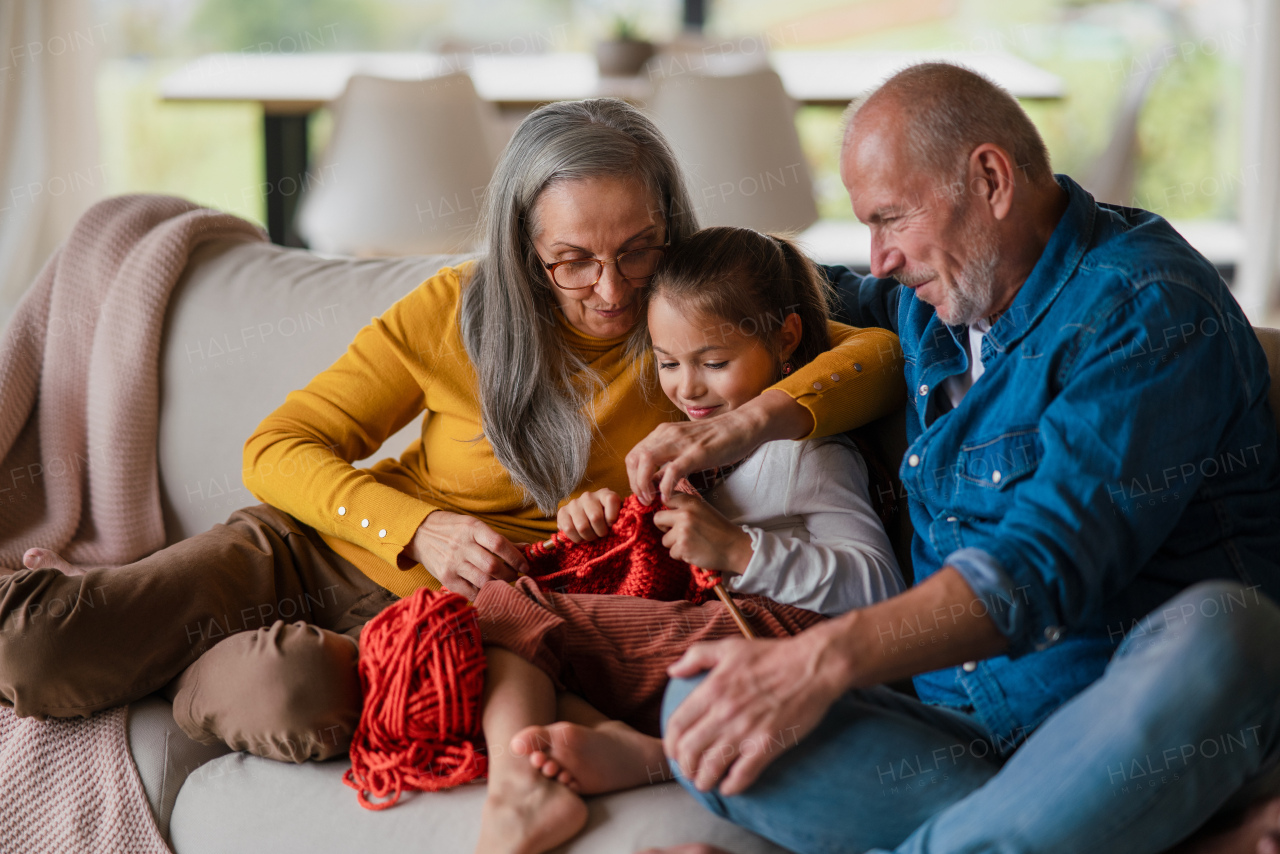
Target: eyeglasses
x,y
638,265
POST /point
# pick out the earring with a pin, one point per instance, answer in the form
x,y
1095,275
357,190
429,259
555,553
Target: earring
x,y
787,369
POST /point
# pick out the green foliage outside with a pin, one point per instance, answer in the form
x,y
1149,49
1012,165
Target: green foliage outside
x,y
289,25
210,153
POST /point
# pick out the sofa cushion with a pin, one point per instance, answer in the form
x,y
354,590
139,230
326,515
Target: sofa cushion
x,y
164,755
247,324
244,803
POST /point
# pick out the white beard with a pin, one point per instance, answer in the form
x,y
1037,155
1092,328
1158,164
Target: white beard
x,y
973,294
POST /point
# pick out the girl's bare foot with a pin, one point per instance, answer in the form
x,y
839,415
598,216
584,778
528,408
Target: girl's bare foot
x,y
529,815
1257,833
49,559
524,812
593,760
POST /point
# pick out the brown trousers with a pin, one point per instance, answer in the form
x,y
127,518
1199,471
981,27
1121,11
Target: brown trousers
x,y
613,651
251,629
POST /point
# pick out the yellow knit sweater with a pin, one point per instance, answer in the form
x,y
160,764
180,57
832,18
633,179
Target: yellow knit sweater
x,y
412,359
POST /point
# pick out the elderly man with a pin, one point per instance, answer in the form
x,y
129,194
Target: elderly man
x,y
1093,480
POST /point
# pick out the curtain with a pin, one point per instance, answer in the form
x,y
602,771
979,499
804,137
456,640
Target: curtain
x,y
50,171
1258,276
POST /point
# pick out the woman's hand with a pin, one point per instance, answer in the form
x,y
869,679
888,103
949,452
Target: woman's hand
x,y
589,516
464,552
680,448
698,533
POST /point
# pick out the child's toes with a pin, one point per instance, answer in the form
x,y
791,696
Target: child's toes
x,y
528,740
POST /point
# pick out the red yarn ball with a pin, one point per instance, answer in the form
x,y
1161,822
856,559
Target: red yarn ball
x,y
422,671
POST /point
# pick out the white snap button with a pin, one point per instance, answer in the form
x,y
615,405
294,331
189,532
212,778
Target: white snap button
x,y
382,533
1052,633
364,523
857,366
835,378
970,666
342,511
952,519
924,389
817,386
995,477
913,461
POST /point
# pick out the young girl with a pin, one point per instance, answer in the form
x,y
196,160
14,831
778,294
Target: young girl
x,y
729,314
732,313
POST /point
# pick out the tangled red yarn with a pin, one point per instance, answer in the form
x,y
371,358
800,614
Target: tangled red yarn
x,y
630,561
422,664
422,672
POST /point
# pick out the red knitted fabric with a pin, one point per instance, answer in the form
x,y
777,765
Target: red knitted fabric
x,y
629,561
422,673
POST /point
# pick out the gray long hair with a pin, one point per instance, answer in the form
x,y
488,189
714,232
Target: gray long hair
x,y
535,391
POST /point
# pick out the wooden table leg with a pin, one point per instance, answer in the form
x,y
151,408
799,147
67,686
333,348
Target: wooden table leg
x,y
285,144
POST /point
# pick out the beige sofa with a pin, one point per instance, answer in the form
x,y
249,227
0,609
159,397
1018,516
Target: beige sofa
x,y
247,324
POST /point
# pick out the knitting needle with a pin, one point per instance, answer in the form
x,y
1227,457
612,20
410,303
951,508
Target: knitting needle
x,y
735,612
739,620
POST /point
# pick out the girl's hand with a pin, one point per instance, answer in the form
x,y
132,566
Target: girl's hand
x,y
697,533
589,516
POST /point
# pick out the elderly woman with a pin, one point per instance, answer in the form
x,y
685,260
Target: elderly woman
x,y
520,363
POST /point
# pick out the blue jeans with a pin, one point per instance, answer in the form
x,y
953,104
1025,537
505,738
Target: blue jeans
x,y
1184,725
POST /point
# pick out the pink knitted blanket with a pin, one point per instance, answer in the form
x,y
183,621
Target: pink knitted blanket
x,y
79,382
71,786
79,408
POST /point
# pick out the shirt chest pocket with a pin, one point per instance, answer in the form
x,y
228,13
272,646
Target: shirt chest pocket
x,y
997,464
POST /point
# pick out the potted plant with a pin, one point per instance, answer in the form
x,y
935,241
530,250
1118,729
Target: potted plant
x,y
625,53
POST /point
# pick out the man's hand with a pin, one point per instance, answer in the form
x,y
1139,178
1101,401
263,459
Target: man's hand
x,y
697,533
780,689
678,449
463,552
758,694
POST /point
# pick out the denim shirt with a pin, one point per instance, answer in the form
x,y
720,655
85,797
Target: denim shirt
x,y
1118,447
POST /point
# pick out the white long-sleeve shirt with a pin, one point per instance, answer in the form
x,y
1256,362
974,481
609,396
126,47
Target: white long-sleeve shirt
x,y
816,540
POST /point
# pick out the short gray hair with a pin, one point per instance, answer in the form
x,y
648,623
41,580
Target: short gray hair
x,y
535,391
949,111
